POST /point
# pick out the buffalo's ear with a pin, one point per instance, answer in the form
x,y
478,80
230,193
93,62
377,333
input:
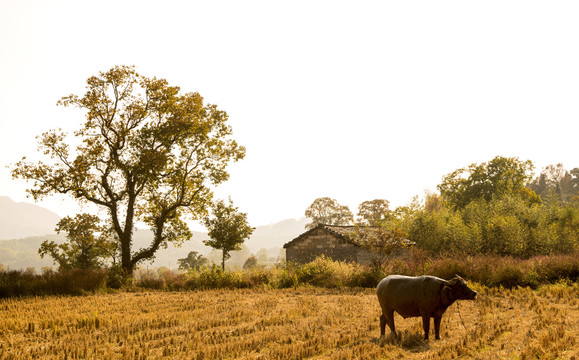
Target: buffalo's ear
x,y
446,294
454,281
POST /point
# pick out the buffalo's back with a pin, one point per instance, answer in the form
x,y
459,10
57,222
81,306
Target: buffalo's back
x,y
408,295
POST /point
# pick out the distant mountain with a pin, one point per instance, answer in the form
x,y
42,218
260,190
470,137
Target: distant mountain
x,y
275,235
23,252
269,237
20,220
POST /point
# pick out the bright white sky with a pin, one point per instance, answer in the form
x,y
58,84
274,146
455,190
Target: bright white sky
x,y
353,100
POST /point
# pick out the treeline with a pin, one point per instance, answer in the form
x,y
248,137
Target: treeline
x,y
496,208
507,226
493,208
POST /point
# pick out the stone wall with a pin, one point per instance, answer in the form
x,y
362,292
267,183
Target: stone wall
x,y
320,242
365,257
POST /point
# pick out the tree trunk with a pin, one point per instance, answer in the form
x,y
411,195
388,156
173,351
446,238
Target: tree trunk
x,y
125,238
126,262
223,260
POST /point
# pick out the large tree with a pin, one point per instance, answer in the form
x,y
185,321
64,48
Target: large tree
x,y
228,229
328,211
373,212
382,243
146,153
494,179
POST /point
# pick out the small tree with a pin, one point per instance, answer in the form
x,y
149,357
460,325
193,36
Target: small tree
x,y
228,229
262,257
328,211
89,244
382,242
250,263
193,261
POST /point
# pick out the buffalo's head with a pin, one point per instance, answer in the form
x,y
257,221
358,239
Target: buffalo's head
x,y
457,289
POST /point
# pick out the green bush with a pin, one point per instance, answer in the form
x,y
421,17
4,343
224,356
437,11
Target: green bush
x,y
257,276
366,277
213,277
324,272
285,279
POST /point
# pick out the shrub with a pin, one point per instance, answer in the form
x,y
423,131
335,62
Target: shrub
x,y
150,281
78,281
449,267
550,269
325,272
115,277
285,279
73,282
258,277
508,272
210,277
488,270
365,277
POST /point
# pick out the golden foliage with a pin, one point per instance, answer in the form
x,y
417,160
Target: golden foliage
x,y
146,153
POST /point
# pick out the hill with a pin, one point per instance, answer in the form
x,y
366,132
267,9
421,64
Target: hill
x,y
23,253
20,220
275,235
269,237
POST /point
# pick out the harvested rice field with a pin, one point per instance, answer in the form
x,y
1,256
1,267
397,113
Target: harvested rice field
x,y
297,323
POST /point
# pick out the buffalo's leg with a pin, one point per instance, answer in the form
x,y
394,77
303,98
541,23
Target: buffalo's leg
x,y
388,319
437,327
382,325
426,325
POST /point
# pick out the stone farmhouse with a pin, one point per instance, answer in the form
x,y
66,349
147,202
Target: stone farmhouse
x,y
335,242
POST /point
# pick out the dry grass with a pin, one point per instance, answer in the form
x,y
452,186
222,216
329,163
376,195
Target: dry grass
x,y
285,324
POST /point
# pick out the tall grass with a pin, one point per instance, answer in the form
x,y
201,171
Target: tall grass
x,y
73,282
509,272
490,271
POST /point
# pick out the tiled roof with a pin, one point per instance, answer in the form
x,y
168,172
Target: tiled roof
x,y
343,232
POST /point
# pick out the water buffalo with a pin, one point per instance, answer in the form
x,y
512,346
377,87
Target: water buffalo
x,y
425,296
